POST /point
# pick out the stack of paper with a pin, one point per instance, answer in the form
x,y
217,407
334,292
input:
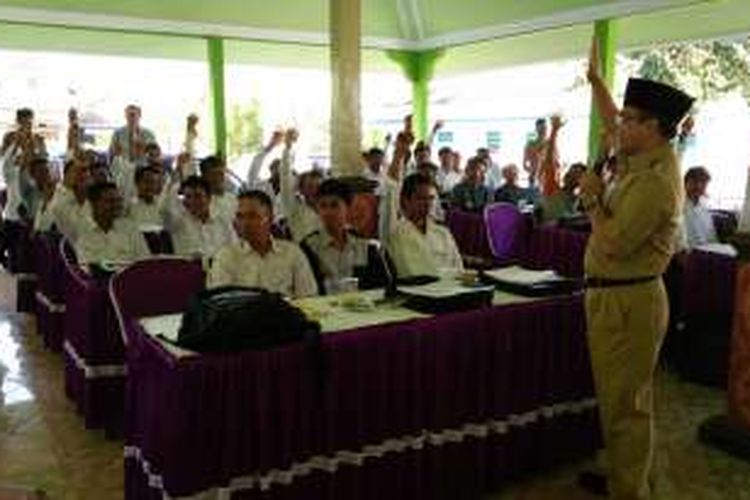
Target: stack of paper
x,y
440,289
520,276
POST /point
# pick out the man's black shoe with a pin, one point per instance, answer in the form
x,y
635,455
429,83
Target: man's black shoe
x,y
594,483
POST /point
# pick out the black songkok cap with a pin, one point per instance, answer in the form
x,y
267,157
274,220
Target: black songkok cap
x,y
664,102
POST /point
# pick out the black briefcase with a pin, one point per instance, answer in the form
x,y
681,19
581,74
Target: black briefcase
x,y
241,318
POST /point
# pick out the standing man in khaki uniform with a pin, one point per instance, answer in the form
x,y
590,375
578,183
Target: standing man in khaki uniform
x,y
635,228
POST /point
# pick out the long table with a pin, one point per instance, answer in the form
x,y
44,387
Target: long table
x,y
409,406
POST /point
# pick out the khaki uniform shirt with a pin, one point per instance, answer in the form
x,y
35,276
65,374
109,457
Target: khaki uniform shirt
x,y
636,226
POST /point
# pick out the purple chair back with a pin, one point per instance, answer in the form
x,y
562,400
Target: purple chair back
x,y
506,230
153,287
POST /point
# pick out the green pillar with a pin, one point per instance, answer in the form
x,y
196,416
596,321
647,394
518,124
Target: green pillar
x,y
605,32
419,68
216,73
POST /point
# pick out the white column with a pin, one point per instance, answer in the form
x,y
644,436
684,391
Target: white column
x,y
346,125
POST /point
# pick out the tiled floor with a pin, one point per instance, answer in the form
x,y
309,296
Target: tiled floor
x,y
43,443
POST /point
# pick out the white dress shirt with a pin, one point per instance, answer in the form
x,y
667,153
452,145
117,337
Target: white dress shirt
x,y
413,252
284,269
192,237
127,139
123,243
224,206
494,177
300,216
11,175
699,224
446,181
65,212
337,264
145,215
123,174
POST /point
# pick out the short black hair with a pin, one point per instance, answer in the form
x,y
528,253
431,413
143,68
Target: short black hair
x,y
22,113
444,150
336,188
259,196
195,182
152,145
475,160
413,181
210,162
96,190
314,173
697,174
140,173
375,151
540,121
421,146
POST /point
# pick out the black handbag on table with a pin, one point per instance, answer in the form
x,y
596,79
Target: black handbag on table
x,y
233,318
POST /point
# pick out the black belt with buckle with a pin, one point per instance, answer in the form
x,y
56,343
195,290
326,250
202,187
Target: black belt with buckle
x,y
616,283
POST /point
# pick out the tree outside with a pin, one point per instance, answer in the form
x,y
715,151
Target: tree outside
x,y
245,132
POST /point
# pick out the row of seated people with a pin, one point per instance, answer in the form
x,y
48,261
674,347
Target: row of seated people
x,y
554,199
235,232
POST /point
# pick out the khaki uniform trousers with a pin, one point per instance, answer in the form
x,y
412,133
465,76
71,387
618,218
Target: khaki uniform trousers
x,y
626,327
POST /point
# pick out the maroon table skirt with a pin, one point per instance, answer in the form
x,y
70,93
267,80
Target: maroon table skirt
x,y
444,407
94,353
705,304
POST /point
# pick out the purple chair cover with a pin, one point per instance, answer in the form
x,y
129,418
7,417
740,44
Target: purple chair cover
x,y
50,306
22,265
469,231
94,357
506,231
440,408
153,287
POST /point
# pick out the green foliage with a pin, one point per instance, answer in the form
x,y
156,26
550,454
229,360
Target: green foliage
x,y
705,70
245,132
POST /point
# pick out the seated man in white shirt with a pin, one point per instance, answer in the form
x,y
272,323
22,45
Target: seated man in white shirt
x,y
195,231
448,175
223,203
335,253
298,207
145,210
699,224
68,210
374,159
417,245
110,238
258,260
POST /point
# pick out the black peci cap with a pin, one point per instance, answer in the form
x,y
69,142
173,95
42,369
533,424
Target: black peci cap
x,y
663,101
